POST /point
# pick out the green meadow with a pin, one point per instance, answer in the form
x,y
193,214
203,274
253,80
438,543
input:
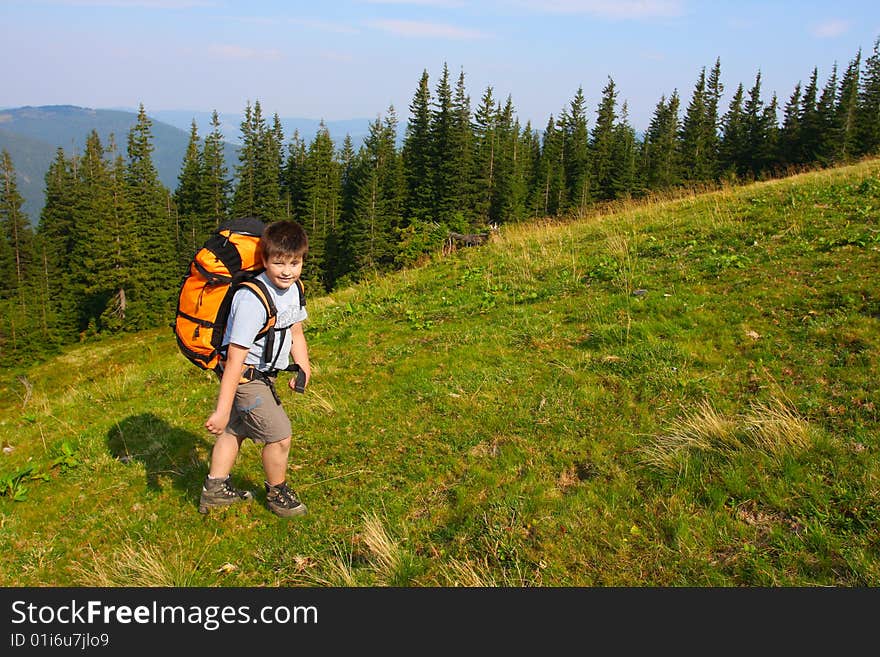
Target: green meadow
x,y
674,392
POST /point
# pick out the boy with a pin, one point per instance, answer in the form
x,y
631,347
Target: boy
x,y
247,405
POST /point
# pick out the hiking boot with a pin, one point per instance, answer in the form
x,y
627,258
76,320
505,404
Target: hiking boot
x,y
219,492
282,501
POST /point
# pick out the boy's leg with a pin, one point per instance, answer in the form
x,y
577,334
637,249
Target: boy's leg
x,y
217,491
279,497
223,455
275,461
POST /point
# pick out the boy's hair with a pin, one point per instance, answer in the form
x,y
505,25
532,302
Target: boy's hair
x,y
284,238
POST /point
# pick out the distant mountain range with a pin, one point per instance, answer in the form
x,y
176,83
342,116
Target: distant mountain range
x,y
32,136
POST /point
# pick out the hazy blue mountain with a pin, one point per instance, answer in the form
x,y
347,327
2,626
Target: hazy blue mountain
x,y
32,136
31,159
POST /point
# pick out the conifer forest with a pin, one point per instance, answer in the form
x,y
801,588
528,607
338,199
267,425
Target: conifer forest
x,y
110,247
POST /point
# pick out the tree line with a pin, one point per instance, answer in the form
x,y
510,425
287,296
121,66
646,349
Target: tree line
x,y
112,242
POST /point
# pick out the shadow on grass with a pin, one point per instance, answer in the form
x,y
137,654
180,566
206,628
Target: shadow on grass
x,y
167,452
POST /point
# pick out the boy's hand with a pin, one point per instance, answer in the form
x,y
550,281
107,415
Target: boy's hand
x,y
216,424
298,382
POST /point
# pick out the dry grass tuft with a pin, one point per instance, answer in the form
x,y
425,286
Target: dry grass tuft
x,y
776,426
466,574
702,430
385,555
479,575
771,427
339,572
139,566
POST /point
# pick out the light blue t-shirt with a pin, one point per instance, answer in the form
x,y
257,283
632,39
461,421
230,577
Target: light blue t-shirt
x,y
247,316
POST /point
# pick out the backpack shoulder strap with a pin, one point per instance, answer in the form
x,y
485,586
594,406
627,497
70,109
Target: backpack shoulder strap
x,y
302,292
262,293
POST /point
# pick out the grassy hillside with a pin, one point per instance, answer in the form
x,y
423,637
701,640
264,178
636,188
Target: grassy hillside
x,y
678,393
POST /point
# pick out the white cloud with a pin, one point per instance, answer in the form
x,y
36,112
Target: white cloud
x,y
323,26
832,28
140,4
450,4
252,20
430,30
627,9
241,53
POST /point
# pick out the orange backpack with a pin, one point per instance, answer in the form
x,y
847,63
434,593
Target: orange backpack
x,y
229,259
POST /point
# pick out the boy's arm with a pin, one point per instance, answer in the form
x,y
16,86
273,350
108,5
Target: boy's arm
x,y
299,353
235,356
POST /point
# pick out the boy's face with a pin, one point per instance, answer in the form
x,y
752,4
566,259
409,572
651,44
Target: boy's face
x,y
283,270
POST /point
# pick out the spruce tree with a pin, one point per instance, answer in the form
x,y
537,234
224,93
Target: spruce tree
x,y
846,112
444,175
602,143
359,191
369,235
189,201
660,153
393,180
417,150
18,323
548,193
217,185
506,136
485,154
461,152
292,176
576,152
757,147
17,261
23,313
92,237
695,149
131,297
268,176
789,150
810,142
531,142
624,158
522,171
770,122
320,206
9,308
341,244
712,127
868,118
826,110
253,127
8,265
734,148
158,271
56,234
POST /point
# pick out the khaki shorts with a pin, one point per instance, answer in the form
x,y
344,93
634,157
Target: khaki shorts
x,y
256,415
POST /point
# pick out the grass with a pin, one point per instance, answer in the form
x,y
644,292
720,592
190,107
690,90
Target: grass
x,y
673,393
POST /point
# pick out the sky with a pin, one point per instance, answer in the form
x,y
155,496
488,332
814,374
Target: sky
x,y
335,60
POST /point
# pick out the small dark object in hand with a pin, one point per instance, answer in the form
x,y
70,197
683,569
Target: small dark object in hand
x,y
300,385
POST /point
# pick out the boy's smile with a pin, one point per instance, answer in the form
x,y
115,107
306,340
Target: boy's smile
x,y
284,270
